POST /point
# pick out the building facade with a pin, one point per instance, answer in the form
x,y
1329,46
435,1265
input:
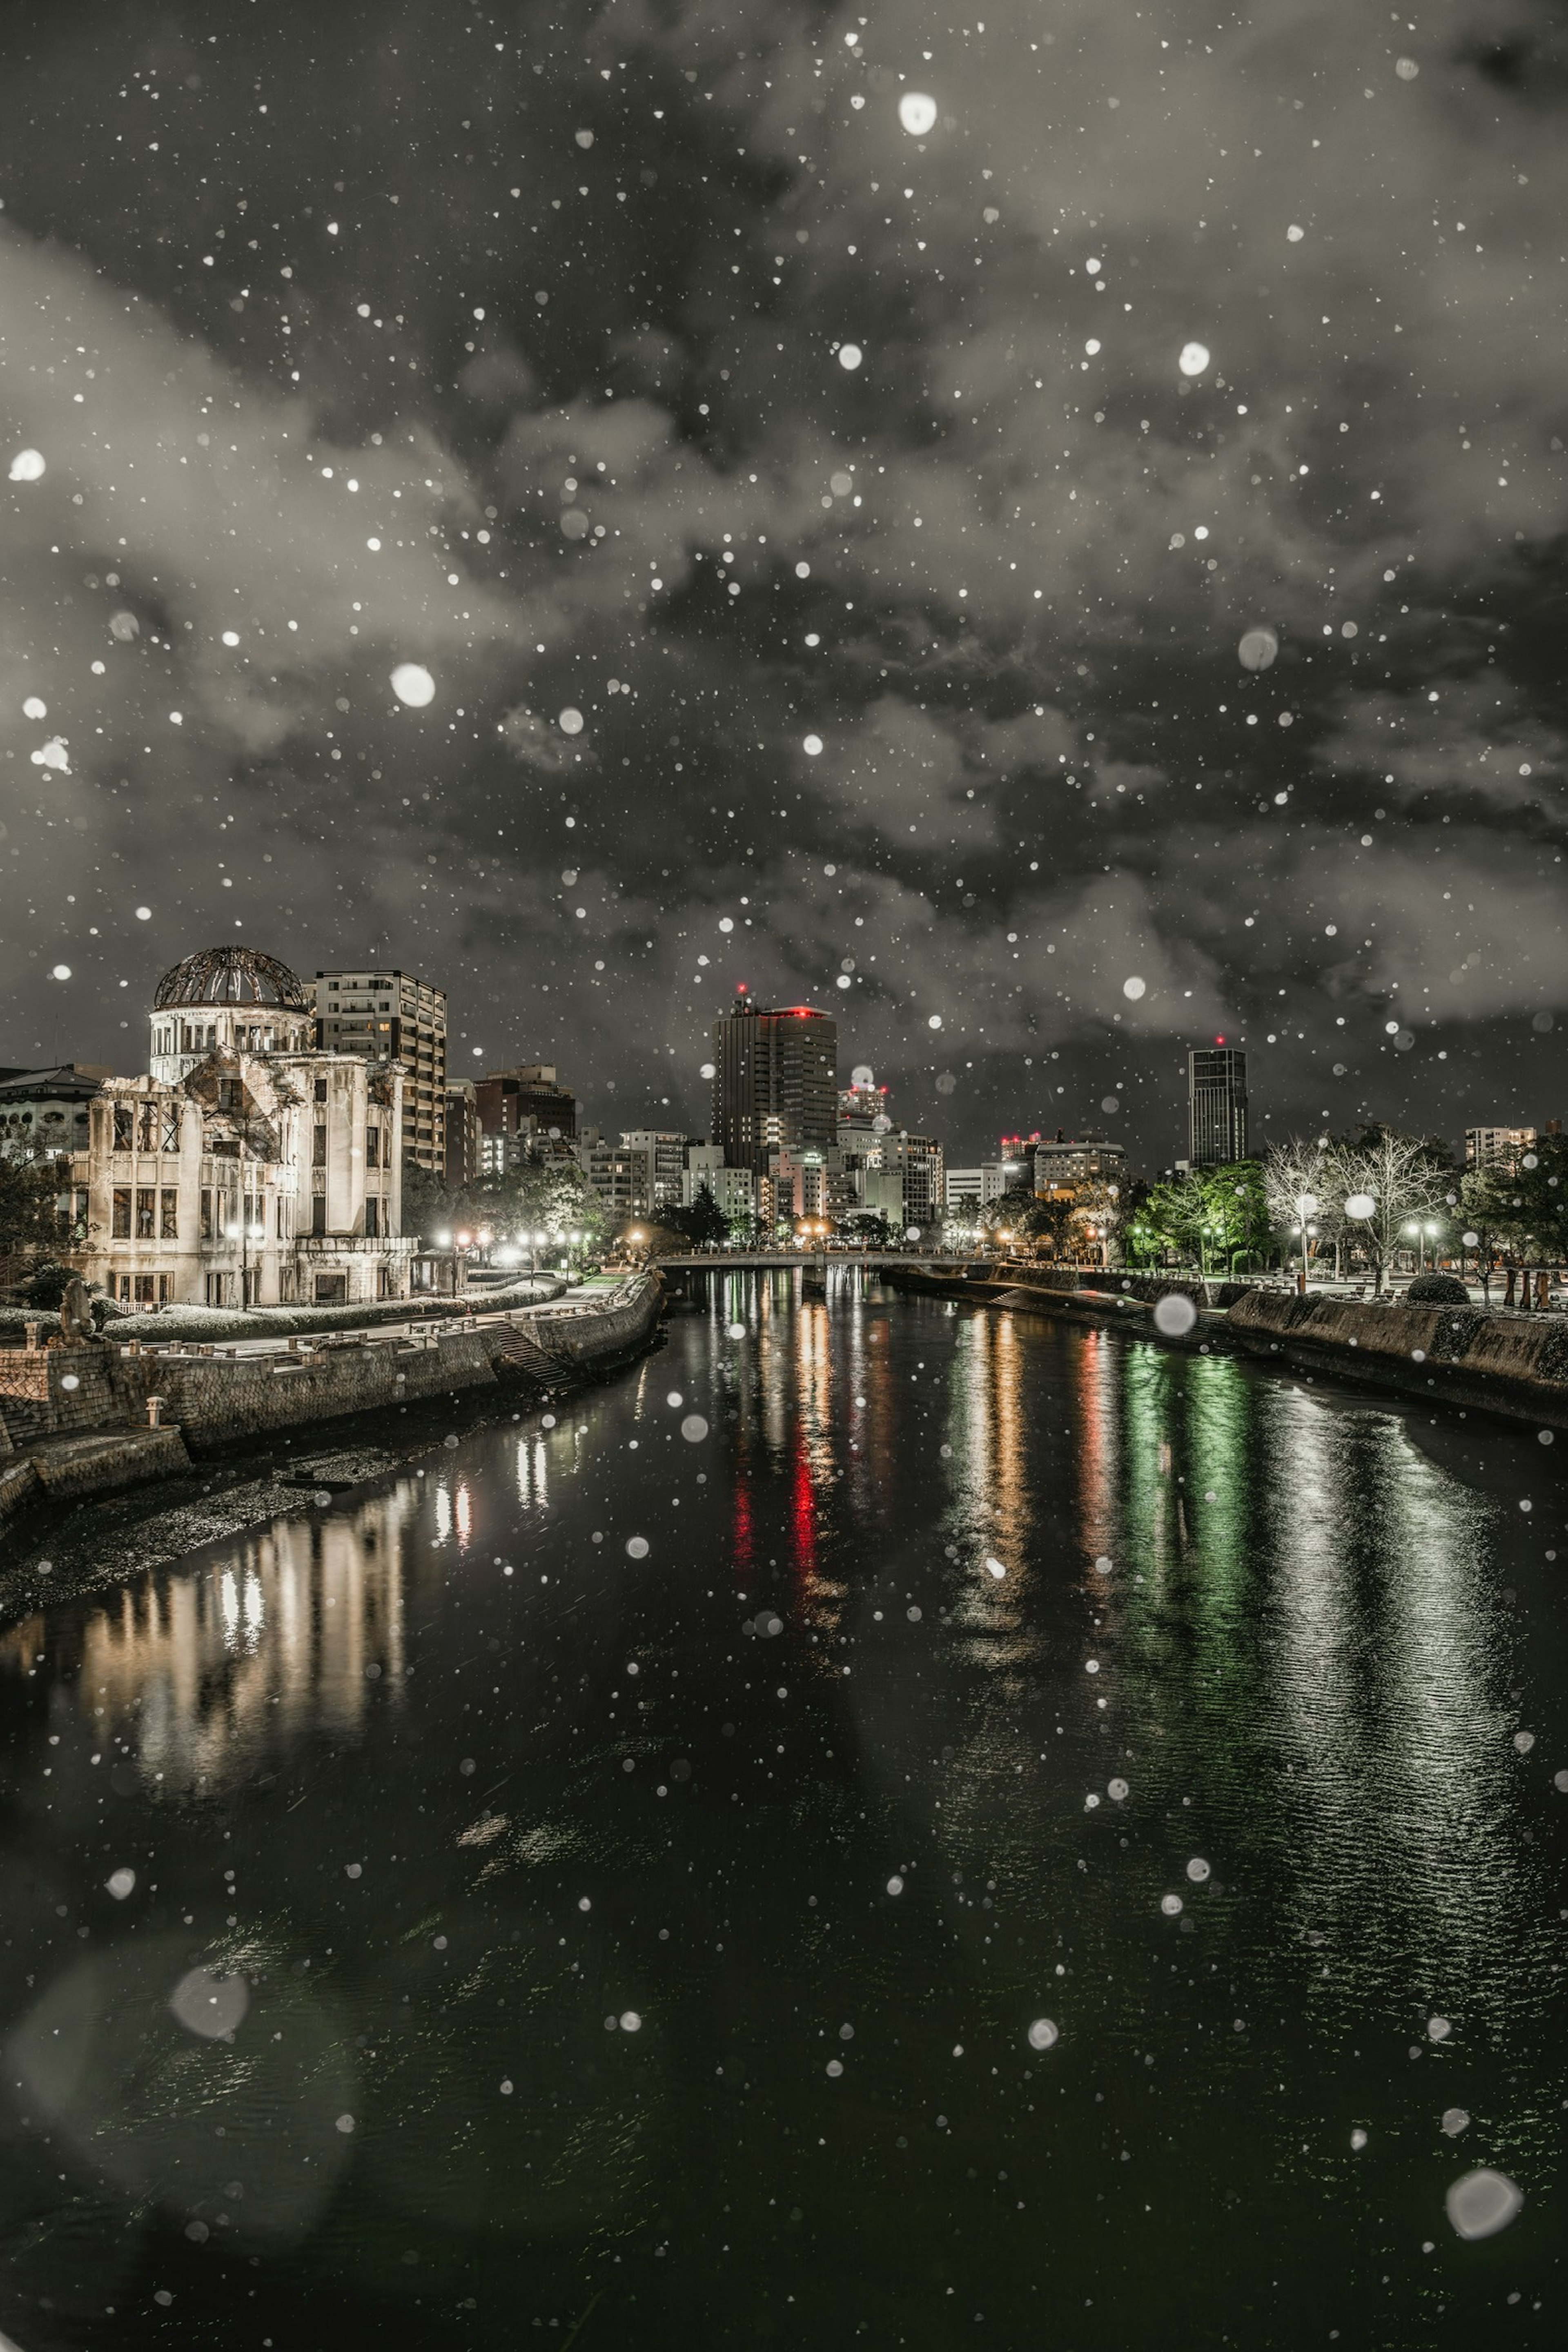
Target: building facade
x,y
392,1016
734,1189
1500,1148
1065,1165
463,1136
638,1176
774,1082
247,1168
1217,1105
968,1190
524,1114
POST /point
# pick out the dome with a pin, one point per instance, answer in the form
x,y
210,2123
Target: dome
x,y
230,975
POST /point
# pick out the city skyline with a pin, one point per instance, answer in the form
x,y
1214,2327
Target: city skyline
x,y
371,599
1168,1121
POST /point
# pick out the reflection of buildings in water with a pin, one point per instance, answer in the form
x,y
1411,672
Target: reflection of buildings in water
x,y
775,1333
1146,1534
531,1464
197,1675
1098,1371
452,1503
1388,1686
875,1423
814,1377
982,1424
985,1427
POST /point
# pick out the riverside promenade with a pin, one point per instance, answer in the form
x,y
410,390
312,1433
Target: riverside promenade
x,y
1475,1358
97,1418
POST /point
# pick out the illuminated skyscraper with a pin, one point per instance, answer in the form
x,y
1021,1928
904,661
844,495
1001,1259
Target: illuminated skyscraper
x,y
1216,1104
776,1082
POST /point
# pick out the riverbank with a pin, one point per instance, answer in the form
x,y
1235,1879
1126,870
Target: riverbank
x,y
1475,1358
1079,1299
96,1421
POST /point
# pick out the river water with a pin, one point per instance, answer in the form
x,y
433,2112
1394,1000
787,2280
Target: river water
x,y
598,1885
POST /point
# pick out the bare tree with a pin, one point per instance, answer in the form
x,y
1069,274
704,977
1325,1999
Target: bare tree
x,y
1303,1168
1398,1176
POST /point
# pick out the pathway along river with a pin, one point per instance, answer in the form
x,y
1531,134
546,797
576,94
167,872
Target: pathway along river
x,y
605,1882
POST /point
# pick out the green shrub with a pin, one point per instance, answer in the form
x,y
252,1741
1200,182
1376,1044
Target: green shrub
x,y
1438,1290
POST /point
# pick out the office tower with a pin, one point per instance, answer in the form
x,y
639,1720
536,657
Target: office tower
x,y
774,1082
970,1190
1065,1164
391,1016
524,1114
734,1190
1498,1148
463,1135
1216,1104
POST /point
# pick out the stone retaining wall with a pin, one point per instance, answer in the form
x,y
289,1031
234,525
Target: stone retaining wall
x,y
222,1399
23,1372
84,1403
1472,1356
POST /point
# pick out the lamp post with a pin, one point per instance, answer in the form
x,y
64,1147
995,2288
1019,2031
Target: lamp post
x,y
1306,1206
1362,1207
245,1231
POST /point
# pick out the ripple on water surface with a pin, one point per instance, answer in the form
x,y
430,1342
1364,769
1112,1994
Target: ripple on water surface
x,y
882,1799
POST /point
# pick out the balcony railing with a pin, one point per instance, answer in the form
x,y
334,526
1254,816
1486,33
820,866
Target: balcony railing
x,y
335,1245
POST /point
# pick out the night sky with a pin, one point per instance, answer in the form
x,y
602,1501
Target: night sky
x,y
639,367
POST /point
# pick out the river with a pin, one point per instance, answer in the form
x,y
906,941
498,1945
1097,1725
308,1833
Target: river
x,y
884,1823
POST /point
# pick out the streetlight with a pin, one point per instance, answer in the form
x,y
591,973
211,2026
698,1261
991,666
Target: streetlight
x,y
1306,1206
1362,1207
245,1231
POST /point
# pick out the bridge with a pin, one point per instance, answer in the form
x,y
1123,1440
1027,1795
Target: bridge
x,y
747,1261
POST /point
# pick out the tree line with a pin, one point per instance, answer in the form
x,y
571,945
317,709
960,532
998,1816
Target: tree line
x,y
1358,1198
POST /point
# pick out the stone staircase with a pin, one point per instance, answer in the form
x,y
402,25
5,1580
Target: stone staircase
x,y
523,1349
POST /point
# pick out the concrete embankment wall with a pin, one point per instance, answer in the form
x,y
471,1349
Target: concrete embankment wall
x,y
1473,1357
1476,1357
217,1401
1072,1297
73,1420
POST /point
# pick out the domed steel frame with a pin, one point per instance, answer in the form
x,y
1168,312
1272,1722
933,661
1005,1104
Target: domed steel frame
x,y
230,975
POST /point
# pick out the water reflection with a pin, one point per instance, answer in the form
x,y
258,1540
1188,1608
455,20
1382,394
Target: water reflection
x,y
195,1677
743,1738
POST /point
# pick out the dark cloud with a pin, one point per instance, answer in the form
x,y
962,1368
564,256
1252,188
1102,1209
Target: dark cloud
x,y
516,350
